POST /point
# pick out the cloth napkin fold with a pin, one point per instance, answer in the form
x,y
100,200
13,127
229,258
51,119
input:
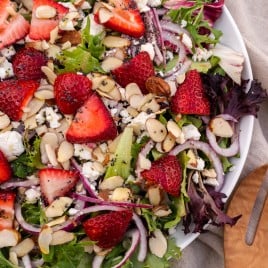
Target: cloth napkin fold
x,y
251,18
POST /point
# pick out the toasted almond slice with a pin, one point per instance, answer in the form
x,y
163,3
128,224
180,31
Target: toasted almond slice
x,y
220,127
4,121
121,194
173,128
51,154
115,94
107,85
132,89
168,143
111,63
50,139
135,101
111,183
104,14
45,12
44,94
51,76
154,195
30,122
157,131
57,221
9,238
115,42
65,151
34,106
61,237
23,248
13,258
58,207
158,243
44,239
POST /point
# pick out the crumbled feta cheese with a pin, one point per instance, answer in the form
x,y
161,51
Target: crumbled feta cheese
x,y
103,147
11,144
95,28
149,48
191,132
142,5
183,23
211,181
141,119
187,41
50,115
32,195
82,151
202,54
6,69
72,211
126,118
66,25
195,177
113,111
89,171
8,52
154,3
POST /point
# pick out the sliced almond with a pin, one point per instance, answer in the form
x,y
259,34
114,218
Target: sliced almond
x,y
116,42
44,239
111,63
51,76
65,151
44,94
41,130
180,78
34,106
58,207
30,122
13,258
157,131
162,212
57,221
9,238
52,52
61,237
104,14
192,162
111,183
4,121
154,195
168,143
51,154
151,106
174,129
158,243
135,101
23,248
115,94
221,128
45,12
132,89
107,85
121,194
51,139
211,173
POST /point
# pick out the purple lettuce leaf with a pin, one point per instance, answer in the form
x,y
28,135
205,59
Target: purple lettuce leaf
x,y
230,98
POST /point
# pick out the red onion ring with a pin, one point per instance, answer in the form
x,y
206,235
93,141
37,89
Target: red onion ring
x,y
26,226
109,203
210,153
26,261
173,27
135,238
143,238
97,261
15,184
232,150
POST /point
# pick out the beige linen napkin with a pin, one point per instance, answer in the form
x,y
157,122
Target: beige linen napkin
x,y
251,18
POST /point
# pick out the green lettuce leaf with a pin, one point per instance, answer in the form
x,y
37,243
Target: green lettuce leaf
x,y
33,213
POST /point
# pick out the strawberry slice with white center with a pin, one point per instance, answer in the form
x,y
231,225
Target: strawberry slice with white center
x,y
56,183
7,200
12,27
41,27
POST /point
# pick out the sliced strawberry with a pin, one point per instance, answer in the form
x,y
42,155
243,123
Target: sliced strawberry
x,y
5,169
17,28
15,96
108,229
92,123
71,91
124,21
137,70
190,96
56,183
27,64
7,200
41,28
4,14
165,172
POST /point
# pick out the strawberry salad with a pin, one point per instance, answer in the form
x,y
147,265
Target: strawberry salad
x,y
118,122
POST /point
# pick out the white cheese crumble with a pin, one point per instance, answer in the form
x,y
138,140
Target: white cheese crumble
x,y
187,41
8,52
32,195
82,151
141,119
149,48
50,115
142,5
72,211
191,132
154,3
211,181
202,54
199,165
6,69
89,170
11,144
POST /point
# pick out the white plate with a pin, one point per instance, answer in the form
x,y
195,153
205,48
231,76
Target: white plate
x,y
231,38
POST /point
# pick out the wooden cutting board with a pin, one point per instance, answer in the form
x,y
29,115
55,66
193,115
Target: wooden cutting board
x,y
237,253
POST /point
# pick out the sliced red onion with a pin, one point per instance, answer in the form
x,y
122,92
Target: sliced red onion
x,y
173,27
135,238
210,153
38,263
143,238
109,203
97,261
161,11
17,183
26,261
84,180
24,225
180,68
233,149
176,4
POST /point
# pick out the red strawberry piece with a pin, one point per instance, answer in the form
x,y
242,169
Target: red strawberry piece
x,y
126,21
71,91
12,28
190,96
56,183
137,70
40,27
92,123
27,64
165,172
15,96
5,170
108,229
7,200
